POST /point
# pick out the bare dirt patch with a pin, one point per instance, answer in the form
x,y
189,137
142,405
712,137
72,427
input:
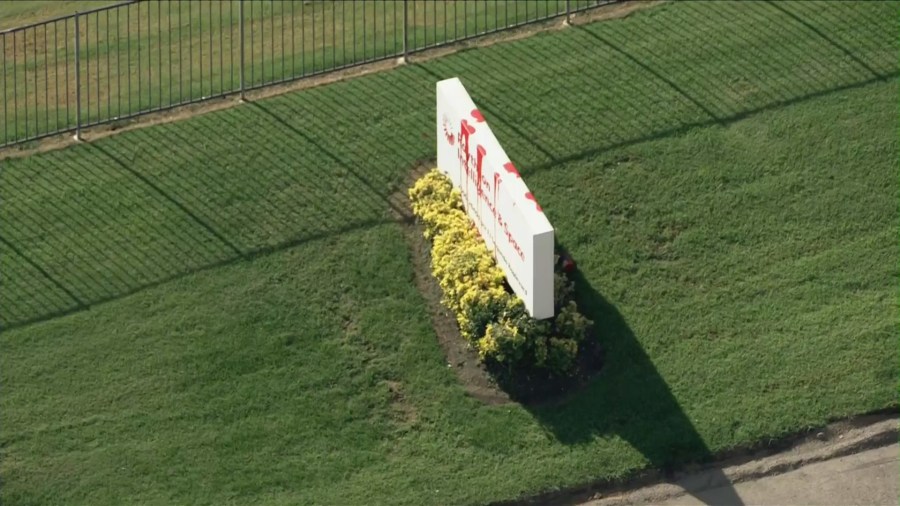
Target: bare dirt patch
x,y
460,358
403,413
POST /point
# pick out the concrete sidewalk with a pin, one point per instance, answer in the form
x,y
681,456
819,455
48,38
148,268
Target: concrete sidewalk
x,y
845,465
867,478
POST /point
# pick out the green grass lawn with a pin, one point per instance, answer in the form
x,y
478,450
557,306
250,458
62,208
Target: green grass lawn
x,y
153,54
222,310
15,13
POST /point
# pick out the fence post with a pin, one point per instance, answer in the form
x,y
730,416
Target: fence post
x,y
568,13
77,82
405,27
241,23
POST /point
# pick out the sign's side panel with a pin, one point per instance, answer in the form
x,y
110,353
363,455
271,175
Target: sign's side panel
x,y
543,253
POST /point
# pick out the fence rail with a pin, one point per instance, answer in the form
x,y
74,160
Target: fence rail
x,y
142,56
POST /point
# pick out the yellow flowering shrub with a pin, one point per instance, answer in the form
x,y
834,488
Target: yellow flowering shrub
x,y
490,318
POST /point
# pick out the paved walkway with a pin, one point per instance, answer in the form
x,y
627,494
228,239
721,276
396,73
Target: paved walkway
x,y
845,465
868,478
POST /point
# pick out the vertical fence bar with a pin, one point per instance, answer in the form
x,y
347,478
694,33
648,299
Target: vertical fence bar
x,y
97,48
190,51
46,84
303,42
496,16
251,43
231,45
221,51
324,37
568,13
169,51
66,37
15,90
313,44
108,78
118,66
271,37
241,23
37,93
200,52
149,63
159,57
5,101
25,76
77,81
211,80
333,36
455,22
406,30
128,39
293,56
364,30
283,67
180,60
354,31
138,6
466,21
343,37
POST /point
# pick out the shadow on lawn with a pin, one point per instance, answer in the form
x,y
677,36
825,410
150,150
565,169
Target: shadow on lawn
x,y
712,73
146,207
628,399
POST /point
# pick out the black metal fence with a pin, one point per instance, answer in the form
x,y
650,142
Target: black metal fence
x,y
142,56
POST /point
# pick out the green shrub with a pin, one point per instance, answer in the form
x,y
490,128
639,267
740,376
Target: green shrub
x,y
491,319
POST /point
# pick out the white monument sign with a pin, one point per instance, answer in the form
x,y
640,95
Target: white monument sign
x,y
507,215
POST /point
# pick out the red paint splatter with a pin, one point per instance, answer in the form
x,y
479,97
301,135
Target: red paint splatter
x,y
511,169
530,197
467,128
449,135
478,165
477,115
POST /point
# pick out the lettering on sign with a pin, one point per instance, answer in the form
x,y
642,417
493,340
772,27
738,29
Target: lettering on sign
x,y
505,212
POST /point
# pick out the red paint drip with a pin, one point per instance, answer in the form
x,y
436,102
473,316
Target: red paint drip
x,y
530,197
477,115
511,169
449,136
480,151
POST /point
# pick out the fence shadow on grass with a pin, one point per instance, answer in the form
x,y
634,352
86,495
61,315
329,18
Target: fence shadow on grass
x,y
104,220
722,64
